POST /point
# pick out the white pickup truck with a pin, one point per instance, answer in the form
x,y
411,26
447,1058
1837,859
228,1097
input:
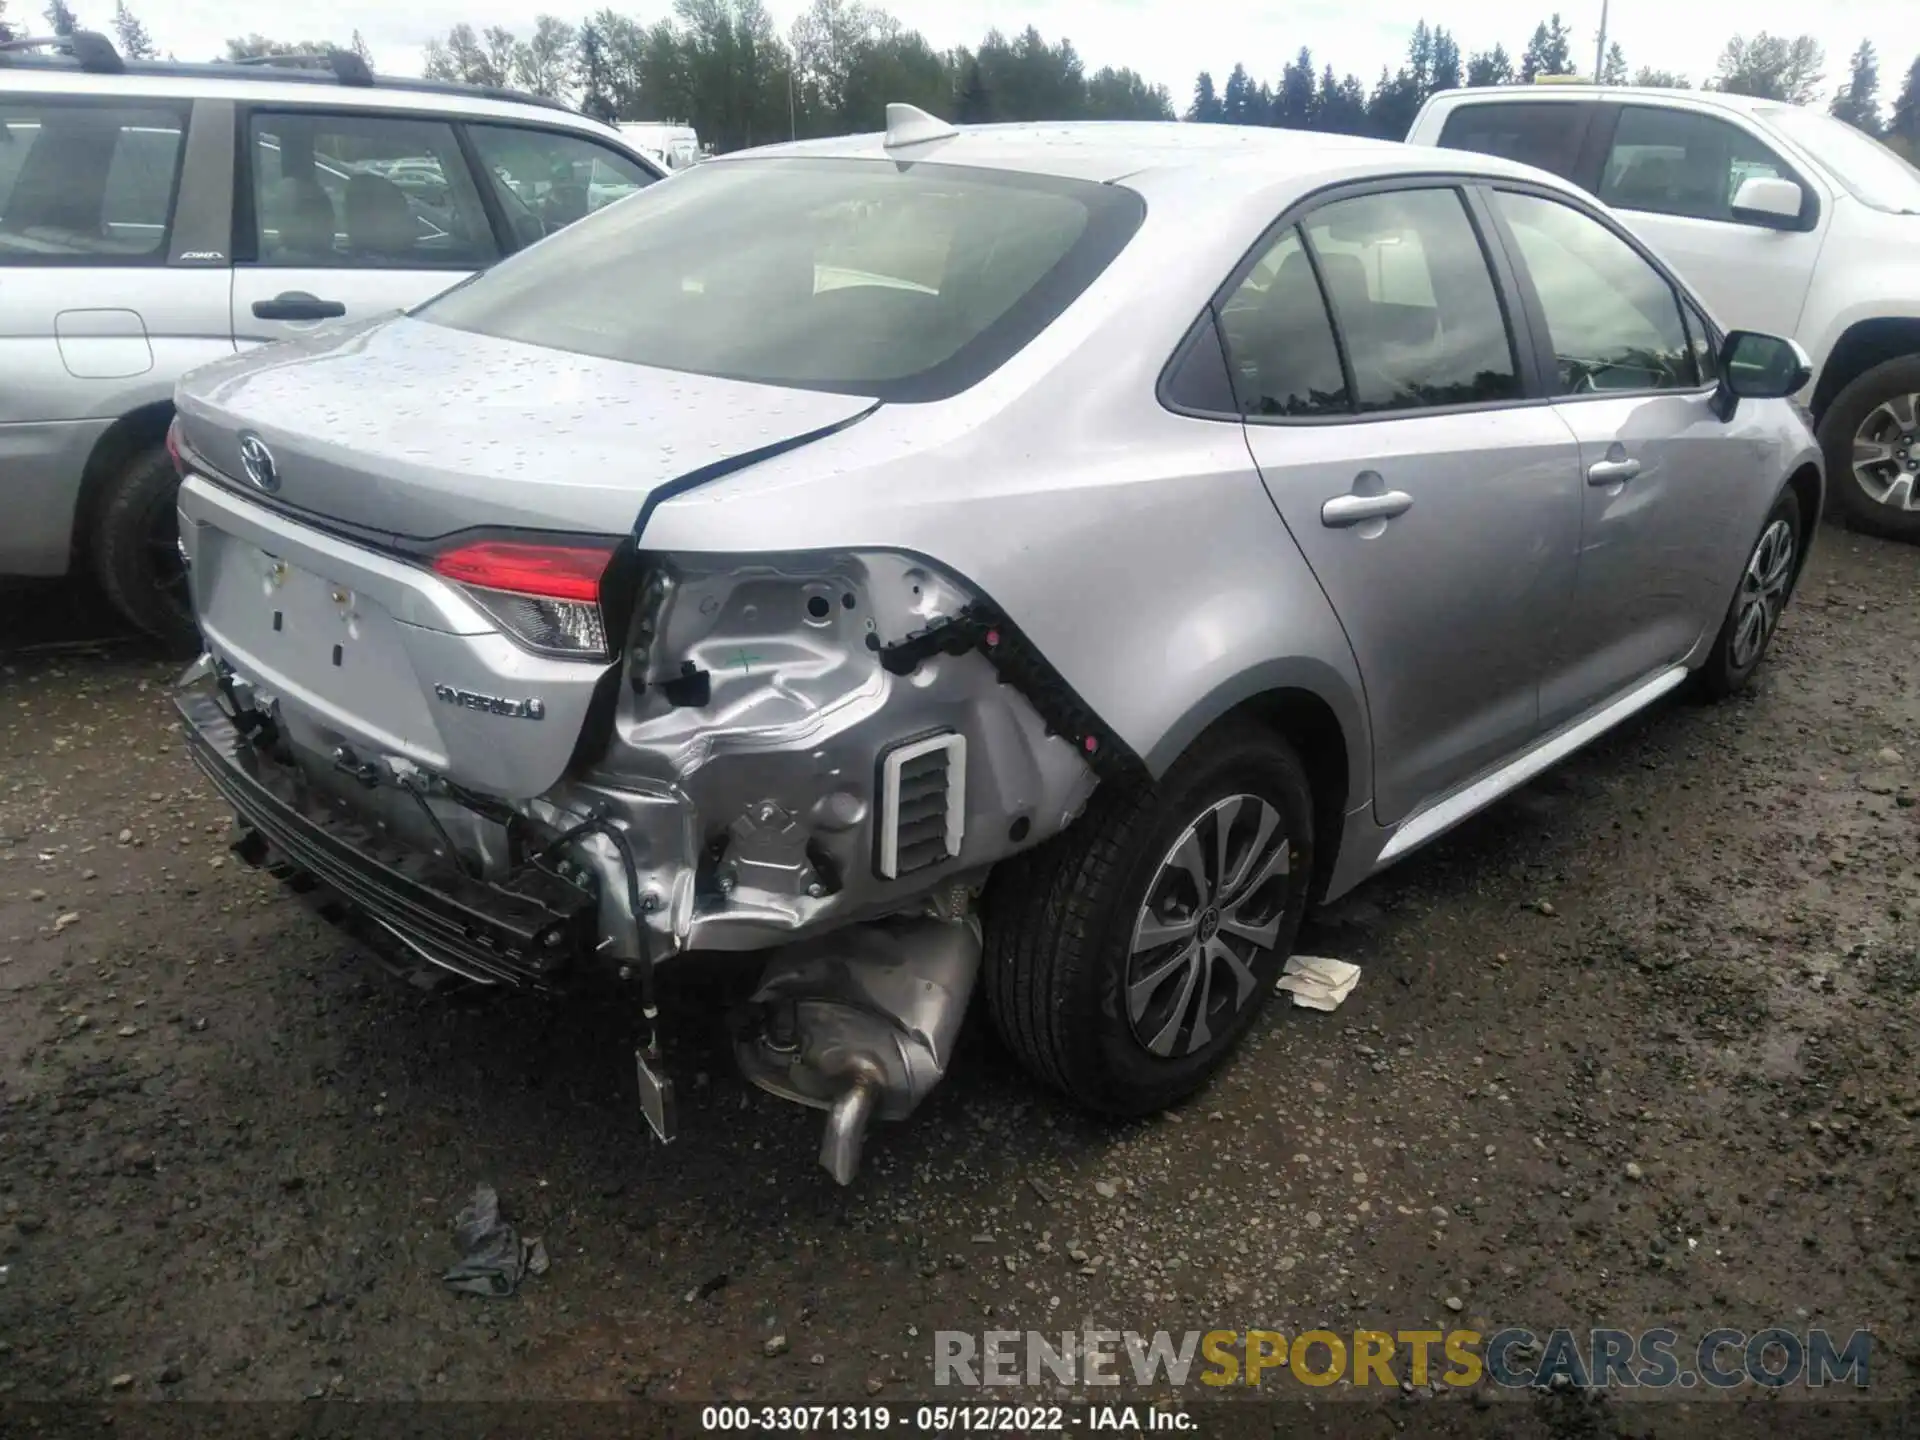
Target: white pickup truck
x,y
1784,219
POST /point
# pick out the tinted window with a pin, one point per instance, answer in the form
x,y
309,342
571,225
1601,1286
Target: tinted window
x,y
1279,340
1413,300
1676,162
900,282
84,183
1547,134
546,180
1613,320
372,192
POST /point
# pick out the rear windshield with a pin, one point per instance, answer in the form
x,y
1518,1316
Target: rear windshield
x,y
857,276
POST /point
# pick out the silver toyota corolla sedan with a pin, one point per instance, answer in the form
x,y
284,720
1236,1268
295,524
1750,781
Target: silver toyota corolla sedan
x,y
1045,556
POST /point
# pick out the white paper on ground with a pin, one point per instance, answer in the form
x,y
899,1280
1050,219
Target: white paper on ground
x,y
1316,982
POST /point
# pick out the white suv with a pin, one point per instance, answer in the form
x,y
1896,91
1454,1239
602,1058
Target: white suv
x,y
155,216
1783,219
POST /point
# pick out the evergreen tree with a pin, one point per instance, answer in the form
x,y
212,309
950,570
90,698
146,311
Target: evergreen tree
x,y
1859,102
61,17
1294,106
1906,110
1549,52
1614,71
1490,67
1206,104
135,43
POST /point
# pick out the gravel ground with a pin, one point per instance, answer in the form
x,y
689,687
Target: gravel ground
x,y
1634,1048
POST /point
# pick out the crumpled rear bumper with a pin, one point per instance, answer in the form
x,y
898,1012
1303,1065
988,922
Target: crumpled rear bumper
x,y
524,932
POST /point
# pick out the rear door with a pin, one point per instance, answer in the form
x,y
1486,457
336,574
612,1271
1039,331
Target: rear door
x,y
1631,369
1439,509
343,214
1672,174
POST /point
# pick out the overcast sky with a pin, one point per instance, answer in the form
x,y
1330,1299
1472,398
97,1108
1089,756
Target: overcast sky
x,y
1168,40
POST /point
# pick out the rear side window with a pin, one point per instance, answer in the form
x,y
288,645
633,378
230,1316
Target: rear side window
x,y
364,191
87,184
1546,134
1677,162
856,276
1279,340
1413,300
1613,319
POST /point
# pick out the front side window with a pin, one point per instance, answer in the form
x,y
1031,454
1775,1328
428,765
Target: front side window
x,y
1414,301
87,183
1679,162
1613,320
856,276
1544,133
365,192
546,180
1279,341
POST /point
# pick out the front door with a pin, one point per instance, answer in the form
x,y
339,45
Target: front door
x,y
1634,375
352,215
1441,519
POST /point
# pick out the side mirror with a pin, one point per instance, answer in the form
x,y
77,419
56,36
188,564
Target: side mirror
x,y
1770,201
1754,366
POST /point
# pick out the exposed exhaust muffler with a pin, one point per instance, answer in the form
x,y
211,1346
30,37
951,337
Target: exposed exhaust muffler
x,y
859,1022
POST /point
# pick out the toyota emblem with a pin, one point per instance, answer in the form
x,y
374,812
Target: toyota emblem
x,y
258,459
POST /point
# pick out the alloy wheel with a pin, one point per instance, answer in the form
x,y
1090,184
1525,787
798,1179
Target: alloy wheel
x,y
1763,593
1213,909
1886,453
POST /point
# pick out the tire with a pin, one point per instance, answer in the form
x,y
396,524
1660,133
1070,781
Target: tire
x,y
1061,925
1882,407
1766,582
135,559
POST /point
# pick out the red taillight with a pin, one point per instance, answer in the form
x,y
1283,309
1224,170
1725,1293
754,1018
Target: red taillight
x,y
173,447
553,572
545,596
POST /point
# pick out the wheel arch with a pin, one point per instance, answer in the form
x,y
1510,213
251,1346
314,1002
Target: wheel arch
x,y
1314,708
1861,346
1809,491
133,432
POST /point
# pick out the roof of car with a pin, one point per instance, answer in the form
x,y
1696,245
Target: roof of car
x,y
1709,99
98,70
1108,150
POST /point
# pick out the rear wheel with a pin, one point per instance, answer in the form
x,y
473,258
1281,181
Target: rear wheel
x,y
1127,957
136,549
1870,437
1761,596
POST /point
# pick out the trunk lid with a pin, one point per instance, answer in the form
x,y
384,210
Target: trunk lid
x,y
418,430
403,429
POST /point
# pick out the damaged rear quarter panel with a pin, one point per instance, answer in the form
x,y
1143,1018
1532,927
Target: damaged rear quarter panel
x,y
1139,553
758,705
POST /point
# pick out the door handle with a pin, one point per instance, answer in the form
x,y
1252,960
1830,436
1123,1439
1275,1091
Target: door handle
x,y
1344,510
298,305
1612,472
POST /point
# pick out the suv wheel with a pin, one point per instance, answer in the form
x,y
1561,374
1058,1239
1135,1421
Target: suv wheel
x,y
1126,958
1765,584
136,549
1870,437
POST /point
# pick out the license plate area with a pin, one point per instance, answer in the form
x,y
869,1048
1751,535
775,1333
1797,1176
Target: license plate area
x,y
318,641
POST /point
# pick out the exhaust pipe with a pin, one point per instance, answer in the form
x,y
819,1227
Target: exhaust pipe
x,y
860,1022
